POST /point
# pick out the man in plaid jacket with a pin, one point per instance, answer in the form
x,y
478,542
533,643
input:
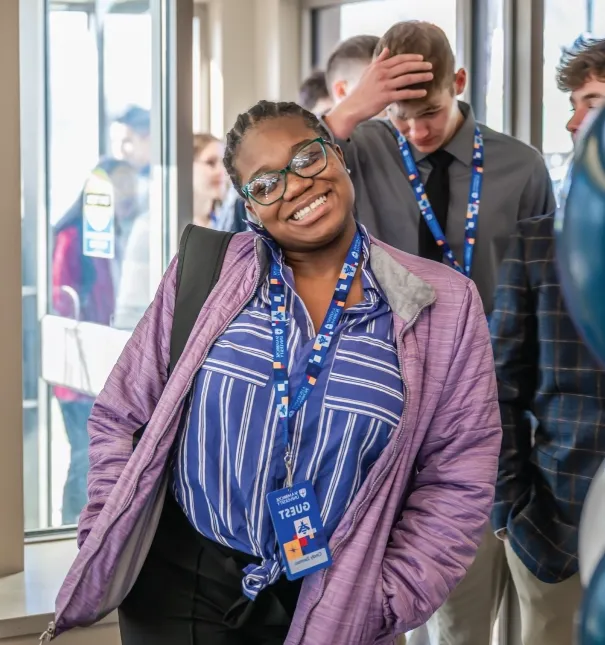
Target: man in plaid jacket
x,y
552,401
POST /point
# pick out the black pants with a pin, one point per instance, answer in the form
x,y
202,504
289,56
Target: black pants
x,y
189,593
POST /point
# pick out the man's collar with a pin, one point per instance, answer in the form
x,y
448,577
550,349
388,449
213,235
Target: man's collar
x,y
461,144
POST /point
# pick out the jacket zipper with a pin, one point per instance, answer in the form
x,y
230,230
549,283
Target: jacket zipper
x,y
378,481
49,634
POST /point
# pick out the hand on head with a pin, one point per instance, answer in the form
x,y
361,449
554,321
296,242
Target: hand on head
x,y
389,79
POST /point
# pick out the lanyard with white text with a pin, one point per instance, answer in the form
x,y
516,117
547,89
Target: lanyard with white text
x,y
472,211
279,326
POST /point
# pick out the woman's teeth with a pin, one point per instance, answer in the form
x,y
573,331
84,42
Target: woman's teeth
x,y
303,212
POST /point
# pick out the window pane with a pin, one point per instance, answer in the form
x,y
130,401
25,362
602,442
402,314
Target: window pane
x,y
99,144
598,18
73,88
494,51
563,23
374,17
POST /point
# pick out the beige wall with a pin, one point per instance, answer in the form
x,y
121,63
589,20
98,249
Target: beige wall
x,y
11,437
255,45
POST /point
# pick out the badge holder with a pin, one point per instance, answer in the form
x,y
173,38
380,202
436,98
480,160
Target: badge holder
x,y
300,532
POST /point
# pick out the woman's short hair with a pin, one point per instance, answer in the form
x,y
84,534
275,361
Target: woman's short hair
x,y
263,111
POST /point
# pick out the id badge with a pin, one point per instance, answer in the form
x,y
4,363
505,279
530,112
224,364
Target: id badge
x,y
299,529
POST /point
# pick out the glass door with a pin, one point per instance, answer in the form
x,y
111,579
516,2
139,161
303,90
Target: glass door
x,y
101,240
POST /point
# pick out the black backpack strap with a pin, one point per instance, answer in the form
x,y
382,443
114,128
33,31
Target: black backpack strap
x,y
201,255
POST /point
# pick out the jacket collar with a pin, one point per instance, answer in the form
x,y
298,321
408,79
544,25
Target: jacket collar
x,y
406,293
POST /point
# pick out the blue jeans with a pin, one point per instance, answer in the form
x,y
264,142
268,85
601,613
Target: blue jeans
x,y
75,419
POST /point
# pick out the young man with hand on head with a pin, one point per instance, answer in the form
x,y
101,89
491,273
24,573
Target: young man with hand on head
x,y
552,402
433,182
414,77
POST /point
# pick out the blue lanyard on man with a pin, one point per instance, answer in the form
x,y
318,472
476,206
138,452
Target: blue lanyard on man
x,y
294,509
472,211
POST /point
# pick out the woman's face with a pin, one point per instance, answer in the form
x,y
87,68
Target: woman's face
x,y
271,145
209,176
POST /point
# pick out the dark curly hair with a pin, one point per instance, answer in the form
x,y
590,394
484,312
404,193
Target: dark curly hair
x,y
580,62
262,111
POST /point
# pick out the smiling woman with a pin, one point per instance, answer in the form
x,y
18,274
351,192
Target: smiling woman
x,y
328,405
312,188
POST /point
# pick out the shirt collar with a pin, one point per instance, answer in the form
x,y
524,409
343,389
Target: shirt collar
x,y
461,145
276,251
368,280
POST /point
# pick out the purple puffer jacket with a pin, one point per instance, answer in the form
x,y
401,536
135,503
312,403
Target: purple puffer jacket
x,y
412,530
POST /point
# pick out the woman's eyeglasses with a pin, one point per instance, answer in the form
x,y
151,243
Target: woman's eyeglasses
x,y
270,187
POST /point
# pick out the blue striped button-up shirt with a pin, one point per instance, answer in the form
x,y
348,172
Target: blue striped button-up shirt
x,y
231,453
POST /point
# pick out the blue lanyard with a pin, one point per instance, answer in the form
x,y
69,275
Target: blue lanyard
x,y
279,327
472,211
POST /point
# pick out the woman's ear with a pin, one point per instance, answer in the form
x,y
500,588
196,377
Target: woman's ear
x,y
252,216
340,154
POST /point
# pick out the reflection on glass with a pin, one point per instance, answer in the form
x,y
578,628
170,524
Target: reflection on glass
x,y
85,269
494,50
99,82
563,23
374,17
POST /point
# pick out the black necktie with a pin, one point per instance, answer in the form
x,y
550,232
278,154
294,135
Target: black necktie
x,y
438,191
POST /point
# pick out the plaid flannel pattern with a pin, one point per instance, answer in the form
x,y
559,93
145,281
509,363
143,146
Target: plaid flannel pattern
x,y
552,402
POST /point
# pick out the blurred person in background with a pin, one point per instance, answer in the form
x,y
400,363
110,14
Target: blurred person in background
x,y
131,140
83,288
132,132
209,180
347,63
211,208
313,94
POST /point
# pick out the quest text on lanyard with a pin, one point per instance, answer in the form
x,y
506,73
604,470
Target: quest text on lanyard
x,y
472,211
294,510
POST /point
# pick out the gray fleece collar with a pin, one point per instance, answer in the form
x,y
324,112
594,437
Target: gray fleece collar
x,y
406,293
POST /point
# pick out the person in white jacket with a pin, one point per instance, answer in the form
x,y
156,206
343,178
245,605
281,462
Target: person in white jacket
x,y
134,291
